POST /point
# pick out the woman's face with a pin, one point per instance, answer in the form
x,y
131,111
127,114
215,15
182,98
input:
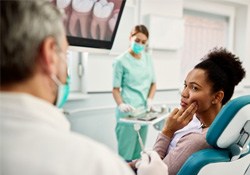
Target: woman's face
x,y
139,38
197,89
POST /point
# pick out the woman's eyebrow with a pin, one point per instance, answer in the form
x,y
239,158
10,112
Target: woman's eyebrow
x,y
194,83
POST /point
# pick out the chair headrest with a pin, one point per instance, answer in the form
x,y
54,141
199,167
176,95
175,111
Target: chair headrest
x,y
225,129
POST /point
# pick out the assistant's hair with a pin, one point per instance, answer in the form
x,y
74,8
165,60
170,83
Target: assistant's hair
x,y
140,29
24,26
224,70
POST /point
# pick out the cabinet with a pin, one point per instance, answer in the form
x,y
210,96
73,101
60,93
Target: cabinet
x,y
166,33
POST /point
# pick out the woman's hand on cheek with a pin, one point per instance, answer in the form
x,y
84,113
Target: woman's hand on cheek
x,y
178,119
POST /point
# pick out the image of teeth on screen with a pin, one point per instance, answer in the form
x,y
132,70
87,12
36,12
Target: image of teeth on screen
x,y
93,19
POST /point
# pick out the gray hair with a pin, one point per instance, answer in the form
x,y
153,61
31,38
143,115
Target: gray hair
x,y
24,26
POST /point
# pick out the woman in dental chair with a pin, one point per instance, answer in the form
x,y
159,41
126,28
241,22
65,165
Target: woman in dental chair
x,y
207,87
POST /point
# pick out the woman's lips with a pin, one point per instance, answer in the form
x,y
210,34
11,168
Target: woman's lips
x,y
183,104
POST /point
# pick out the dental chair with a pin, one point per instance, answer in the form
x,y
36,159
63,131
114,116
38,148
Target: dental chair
x,y
229,135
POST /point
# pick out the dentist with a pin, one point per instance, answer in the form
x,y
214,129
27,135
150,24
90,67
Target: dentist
x,y
35,135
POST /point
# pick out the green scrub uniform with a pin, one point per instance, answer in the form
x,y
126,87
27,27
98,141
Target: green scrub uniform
x,y
134,77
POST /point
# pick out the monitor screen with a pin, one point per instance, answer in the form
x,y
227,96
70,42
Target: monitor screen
x,y
91,23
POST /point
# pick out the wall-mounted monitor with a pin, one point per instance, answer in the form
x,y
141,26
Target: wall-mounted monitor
x,y
91,23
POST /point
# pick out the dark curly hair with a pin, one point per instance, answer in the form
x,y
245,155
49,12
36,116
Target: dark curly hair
x,y
224,70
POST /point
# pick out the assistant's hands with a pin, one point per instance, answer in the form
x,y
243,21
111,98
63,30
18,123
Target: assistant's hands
x,y
178,119
151,164
126,107
149,104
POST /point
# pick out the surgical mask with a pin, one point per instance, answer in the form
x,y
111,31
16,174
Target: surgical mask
x,y
136,47
62,92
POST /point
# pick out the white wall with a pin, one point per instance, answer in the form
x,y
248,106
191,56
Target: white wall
x,y
166,62
242,38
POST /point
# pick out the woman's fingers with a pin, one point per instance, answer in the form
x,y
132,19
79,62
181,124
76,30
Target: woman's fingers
x,y
178,119
179,113
187,115
174,112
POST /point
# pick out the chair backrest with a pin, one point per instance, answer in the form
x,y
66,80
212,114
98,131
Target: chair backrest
x,y
229,134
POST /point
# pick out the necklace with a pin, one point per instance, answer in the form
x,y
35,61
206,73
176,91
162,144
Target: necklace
x,y
203,126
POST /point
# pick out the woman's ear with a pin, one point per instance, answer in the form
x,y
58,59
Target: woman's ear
x,y
130,37
47,57
218,97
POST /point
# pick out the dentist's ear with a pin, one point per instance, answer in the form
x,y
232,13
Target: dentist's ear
x,y
47,56
218,97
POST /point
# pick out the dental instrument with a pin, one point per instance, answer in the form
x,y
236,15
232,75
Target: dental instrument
x,y
137,128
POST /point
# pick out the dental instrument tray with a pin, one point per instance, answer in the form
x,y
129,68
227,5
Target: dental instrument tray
x,y
148,116
143,115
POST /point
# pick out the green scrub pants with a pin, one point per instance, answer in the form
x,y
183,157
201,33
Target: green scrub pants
x,y
128,141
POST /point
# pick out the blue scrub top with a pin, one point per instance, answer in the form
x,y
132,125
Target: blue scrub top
x,y
134,77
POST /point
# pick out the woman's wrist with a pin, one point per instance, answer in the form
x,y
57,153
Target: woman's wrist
x,y
168,132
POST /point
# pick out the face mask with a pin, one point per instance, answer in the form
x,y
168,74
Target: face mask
x,y
137,48
62,92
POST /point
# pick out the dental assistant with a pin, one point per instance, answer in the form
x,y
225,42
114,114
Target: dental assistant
x,y
134,86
